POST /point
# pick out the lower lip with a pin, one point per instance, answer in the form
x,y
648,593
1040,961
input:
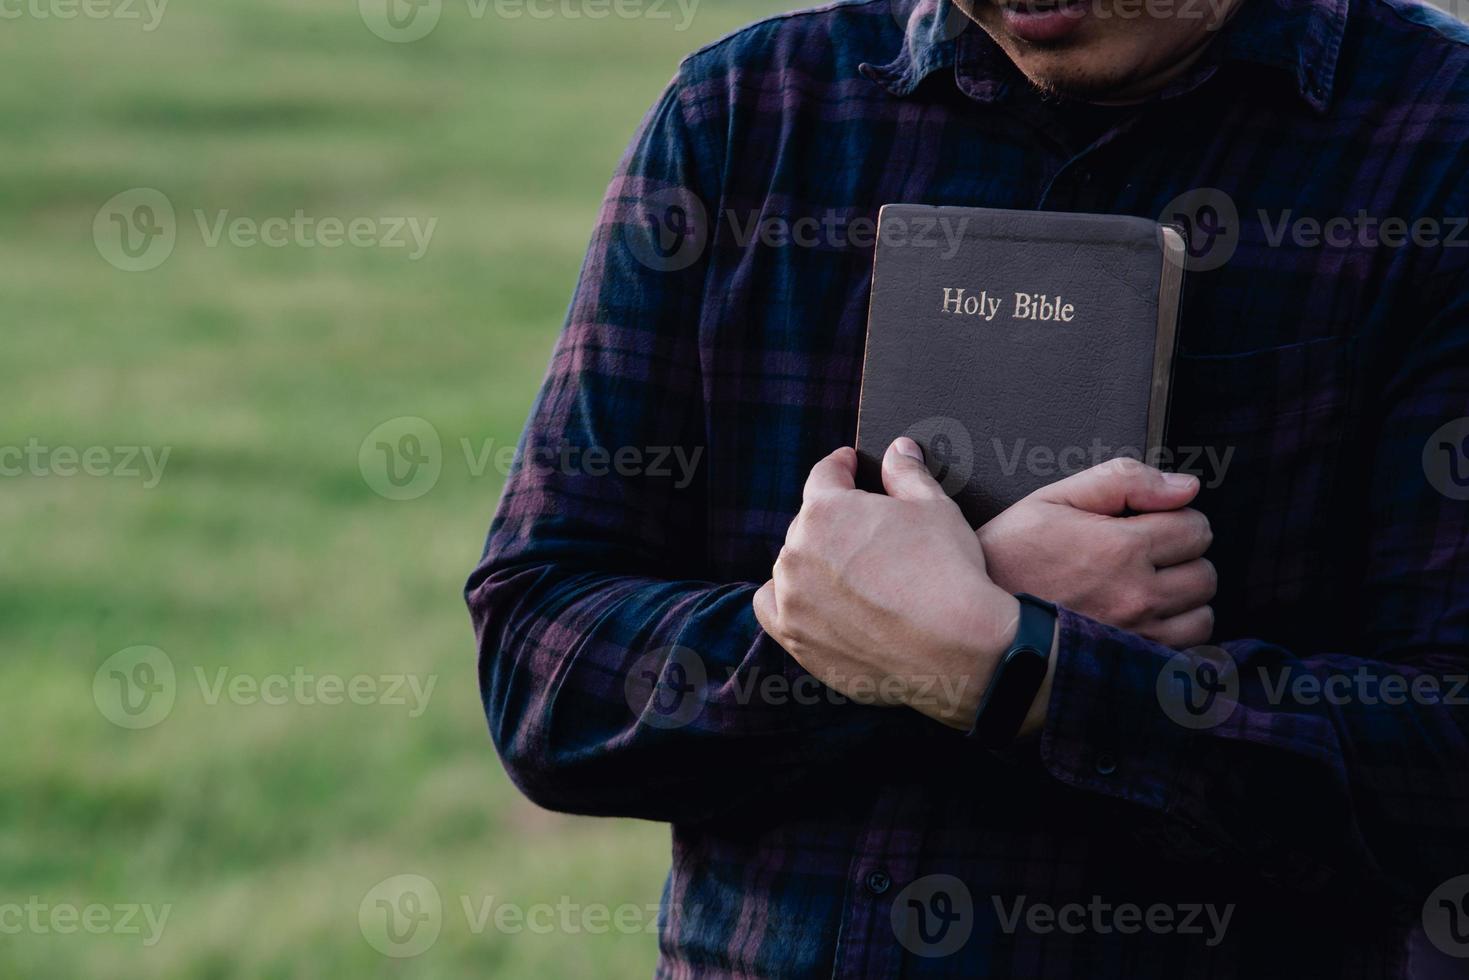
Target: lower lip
x,y
1044,26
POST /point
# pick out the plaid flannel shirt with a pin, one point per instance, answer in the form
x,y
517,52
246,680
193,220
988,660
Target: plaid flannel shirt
x,y
1296,805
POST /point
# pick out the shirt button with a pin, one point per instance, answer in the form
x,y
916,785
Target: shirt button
x,y
878,881
1106,763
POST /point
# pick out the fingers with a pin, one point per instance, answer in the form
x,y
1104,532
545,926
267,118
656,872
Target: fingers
x,y
834,473
904,474
1189,629
1120,485
1184,587
1173,537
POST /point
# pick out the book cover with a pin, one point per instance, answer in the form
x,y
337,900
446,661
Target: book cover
x,y
1017,347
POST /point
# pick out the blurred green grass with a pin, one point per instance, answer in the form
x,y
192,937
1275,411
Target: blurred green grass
x,y
263,549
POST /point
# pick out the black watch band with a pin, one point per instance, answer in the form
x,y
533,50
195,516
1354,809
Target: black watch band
x,y
1018,675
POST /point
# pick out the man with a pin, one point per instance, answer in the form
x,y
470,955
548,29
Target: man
x,y
786,668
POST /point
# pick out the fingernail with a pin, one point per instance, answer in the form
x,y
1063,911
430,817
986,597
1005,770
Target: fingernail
x,y
908,447
1179,481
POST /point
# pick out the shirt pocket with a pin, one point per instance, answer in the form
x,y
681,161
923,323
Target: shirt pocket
x,y
1267,432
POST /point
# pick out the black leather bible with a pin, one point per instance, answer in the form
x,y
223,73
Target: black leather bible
x,y
1017,347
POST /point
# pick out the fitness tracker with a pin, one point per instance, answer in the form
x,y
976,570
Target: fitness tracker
x,y
1018,676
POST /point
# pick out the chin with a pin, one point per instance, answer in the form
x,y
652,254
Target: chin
x,y
1063,76
1084,64
1081,68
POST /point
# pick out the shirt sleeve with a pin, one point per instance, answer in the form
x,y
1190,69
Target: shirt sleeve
x,y
618,678
1323,768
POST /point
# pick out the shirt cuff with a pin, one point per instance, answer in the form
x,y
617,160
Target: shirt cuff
x,y
1106,731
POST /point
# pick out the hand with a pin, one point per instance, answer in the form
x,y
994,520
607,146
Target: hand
x,y
1146,573
885,598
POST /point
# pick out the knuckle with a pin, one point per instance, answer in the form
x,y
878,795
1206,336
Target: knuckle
x,y
1211,580
793,604
1124,466
799,545
1203,530
792,636
1199,630
822,514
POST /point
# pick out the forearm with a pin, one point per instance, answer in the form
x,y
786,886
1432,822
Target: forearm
x,y
1246,765
617,695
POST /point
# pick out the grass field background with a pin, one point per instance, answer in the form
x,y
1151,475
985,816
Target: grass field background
x,y
263,549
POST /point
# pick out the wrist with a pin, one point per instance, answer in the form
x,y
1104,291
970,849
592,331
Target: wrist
x,y
1016,672
1002,614
996,618
1035,718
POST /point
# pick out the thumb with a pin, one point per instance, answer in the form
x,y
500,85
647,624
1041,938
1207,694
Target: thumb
x,y
1120,485
904,474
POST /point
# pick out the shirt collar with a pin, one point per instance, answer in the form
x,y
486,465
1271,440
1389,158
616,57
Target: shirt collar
x,y
1301,38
